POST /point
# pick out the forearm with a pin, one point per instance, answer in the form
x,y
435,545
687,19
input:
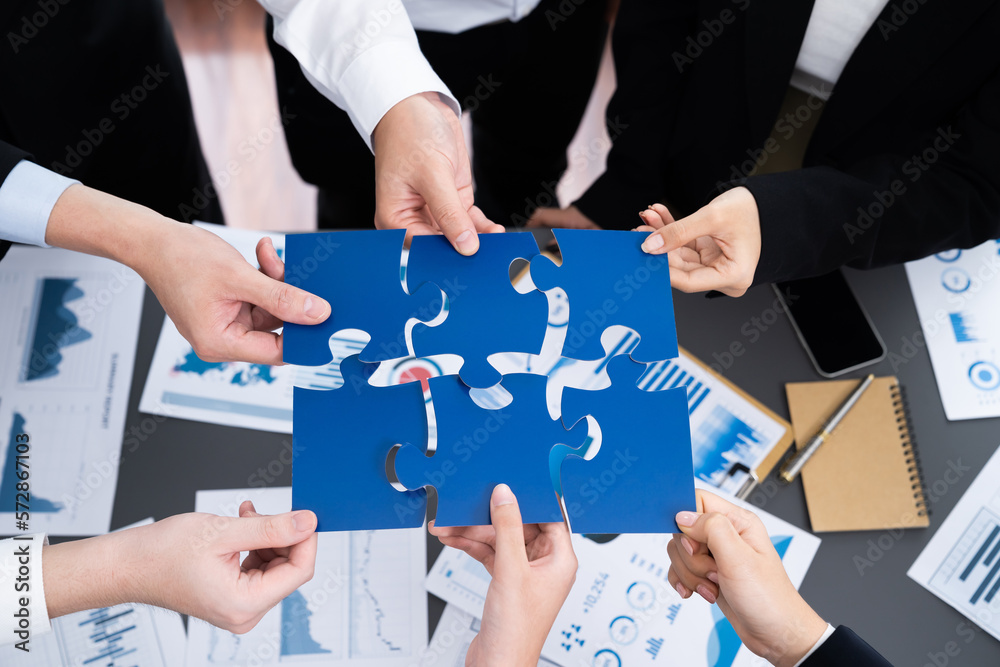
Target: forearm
x,y
95,223
86,574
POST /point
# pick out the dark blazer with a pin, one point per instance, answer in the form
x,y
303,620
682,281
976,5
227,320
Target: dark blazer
x,y
844,647
903,160
95,89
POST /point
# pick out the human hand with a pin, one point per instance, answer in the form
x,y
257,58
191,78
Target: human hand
x,y
562,218
533,569
192,563
423,181
715,248
224,307
726,556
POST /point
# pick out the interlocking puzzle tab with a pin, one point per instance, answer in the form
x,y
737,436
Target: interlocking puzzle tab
x,y
642,474
358,274
609,280
350,441
342,439
486,314
478,449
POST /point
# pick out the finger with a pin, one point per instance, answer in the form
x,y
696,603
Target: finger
x,y
261,556
255,347
247,508
484,534
690,580
683,231
284,301
721,526
481,552
698,279
747,524
652,221
675,581
506,517
270,264
439,191
546,217
665,215
483,224
262,532
263,320
278,581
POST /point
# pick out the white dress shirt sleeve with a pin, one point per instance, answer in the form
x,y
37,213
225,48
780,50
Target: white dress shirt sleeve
x,y
27,197
23,612
826,635
362,55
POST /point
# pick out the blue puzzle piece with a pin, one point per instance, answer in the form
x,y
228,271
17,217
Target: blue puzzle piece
x,y
478,449
358,273
609,280
486,314
341,440
643,473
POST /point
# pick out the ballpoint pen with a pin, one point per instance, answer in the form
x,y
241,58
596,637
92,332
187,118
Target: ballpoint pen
x,y
790,470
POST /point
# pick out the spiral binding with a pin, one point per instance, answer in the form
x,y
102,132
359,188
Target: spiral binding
x,y
914,467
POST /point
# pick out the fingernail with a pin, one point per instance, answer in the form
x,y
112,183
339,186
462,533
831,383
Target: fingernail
x,y
683,592
502,495
688,545
313,307
713,577
466,242
653,242
686,518
705,593
303,521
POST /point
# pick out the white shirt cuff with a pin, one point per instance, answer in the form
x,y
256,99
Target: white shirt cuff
x,y
826,635
23,612
27,198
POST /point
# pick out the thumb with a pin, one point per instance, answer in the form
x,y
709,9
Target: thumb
x,y
442,199
673,235
284,301
264,532
506,517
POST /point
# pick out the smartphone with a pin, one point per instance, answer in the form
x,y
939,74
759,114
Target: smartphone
x,y
833,327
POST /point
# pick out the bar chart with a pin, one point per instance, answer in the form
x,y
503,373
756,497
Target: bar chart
x,y
970,575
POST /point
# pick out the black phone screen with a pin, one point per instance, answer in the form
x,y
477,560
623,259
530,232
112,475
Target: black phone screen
x,y
831,323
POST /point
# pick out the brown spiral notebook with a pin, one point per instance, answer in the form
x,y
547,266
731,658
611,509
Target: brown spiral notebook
x,y
866,476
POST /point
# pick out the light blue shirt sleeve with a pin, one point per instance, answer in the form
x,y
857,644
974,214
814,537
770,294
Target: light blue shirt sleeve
x,y
27,198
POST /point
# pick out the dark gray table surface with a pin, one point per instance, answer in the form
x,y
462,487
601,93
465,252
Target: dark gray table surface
x,y
896,615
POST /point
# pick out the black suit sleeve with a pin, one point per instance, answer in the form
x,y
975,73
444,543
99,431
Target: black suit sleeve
x,y
640,115
844,647
9,157
817,219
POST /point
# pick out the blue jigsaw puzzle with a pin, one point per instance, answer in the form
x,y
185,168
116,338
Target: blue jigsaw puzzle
x,y
643,474
478,449
341,440
609,280
486,315
358,273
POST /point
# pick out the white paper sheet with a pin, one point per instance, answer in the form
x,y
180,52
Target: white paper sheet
x,y
957,294
455,632
622,608
961,563
126,634
67,350
366,604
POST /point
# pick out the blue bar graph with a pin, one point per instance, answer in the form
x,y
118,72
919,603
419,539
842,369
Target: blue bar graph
x,y
109,636
979,554
963,326
667,375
